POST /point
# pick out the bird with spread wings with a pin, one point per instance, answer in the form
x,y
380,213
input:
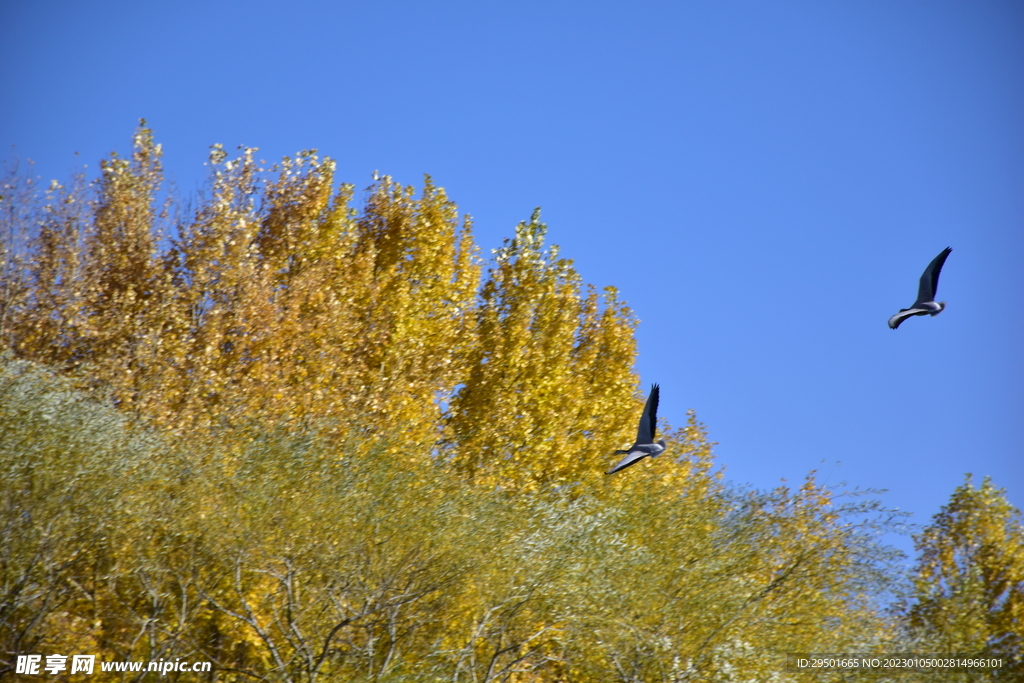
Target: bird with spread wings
x,y
925,304
645,444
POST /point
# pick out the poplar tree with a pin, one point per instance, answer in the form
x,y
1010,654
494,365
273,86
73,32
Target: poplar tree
x,y
968,595
299,438
543,398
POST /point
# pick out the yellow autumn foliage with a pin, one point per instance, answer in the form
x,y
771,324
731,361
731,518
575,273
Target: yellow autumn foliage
x,y
305,437
968,583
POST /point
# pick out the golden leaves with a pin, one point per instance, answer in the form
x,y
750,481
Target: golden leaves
x,y
544,392
969,578
354,374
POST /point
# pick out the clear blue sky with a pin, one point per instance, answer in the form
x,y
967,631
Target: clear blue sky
x,y
764,182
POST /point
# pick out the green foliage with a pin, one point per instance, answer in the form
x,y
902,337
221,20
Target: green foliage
x,y
74,474
276,556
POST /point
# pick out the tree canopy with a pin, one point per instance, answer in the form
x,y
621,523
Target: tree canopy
x,y
308,437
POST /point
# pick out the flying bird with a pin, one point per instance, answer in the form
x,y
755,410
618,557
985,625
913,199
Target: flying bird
x,y
645,444
925,304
